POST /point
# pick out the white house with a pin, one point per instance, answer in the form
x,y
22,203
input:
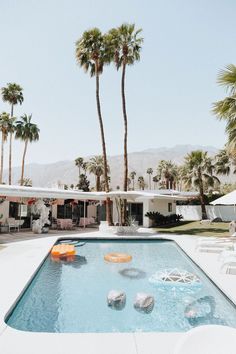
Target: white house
x,y
15,203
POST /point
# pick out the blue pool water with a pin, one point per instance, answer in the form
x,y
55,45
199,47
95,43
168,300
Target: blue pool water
x,y
72,296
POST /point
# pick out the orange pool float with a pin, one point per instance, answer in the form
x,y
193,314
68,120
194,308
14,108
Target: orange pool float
x,y
118,257
63,250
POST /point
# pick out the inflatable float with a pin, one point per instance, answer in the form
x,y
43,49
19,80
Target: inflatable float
x,y
118,257
63,250
176,279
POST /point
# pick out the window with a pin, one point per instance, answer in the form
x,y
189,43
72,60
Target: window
x,y
17,210
169,207
64,211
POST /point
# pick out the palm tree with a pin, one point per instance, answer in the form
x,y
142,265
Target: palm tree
x,y
199,174
125,46
167,171
85,167
12,94
27,132
79,163
91,52
155,181
132,177
141,182
96,166
225,162
150,172
4,123
226,109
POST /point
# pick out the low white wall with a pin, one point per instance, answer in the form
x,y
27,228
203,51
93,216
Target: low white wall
x,y
193,212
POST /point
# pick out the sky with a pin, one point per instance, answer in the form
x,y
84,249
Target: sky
x,y
169,92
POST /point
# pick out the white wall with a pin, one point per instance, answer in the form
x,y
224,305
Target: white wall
x,y
160,205
193,212
4,209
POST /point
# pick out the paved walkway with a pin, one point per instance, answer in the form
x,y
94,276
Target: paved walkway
x,y
24,235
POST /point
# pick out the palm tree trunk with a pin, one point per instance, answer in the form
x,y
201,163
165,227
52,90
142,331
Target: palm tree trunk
x,y
108,204
97,183
23,164
10,159
125,128
125,182
202,201
2,154
10,151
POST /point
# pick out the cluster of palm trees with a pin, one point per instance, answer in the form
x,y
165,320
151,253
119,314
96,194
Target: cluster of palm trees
x,y
95,166
10,127
120,46
198,172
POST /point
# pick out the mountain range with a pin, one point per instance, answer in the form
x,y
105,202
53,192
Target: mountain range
x,y
65,172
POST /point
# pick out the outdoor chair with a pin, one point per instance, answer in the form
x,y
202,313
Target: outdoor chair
x,y
12,223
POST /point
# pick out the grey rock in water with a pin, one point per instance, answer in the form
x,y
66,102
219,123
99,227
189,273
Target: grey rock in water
x,y
144,302
116,299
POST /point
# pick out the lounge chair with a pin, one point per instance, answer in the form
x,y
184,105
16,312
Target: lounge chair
x,y
210,339
228,265
214,244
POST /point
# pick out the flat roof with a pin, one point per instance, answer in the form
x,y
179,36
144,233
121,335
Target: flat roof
x,y
56,193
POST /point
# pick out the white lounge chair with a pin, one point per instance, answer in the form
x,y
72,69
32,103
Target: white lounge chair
x,y
210,339
228,265
214,244
226,253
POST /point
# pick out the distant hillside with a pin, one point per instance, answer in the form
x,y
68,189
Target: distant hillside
x,y
65,171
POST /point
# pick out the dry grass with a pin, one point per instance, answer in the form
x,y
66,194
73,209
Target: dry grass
x,y
195,228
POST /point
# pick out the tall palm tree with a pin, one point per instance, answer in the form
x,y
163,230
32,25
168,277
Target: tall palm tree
x,y
96,167
167,171
4,123
27,132
132,177
150,172
199,170
91,54
12,94
79,163
125,46
226,109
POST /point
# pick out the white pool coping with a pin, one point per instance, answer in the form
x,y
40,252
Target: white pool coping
x,y
18,263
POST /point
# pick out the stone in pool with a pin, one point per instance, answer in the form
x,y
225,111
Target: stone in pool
x,y
144,302
116,299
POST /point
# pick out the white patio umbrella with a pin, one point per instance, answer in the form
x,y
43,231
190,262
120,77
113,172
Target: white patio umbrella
x,y
228,199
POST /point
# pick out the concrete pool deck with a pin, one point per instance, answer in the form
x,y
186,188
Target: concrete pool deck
x,y
18,263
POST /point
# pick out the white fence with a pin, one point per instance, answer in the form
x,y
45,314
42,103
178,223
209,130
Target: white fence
x,y
193,212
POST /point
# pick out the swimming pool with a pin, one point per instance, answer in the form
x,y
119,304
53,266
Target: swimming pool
x,y
71,295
